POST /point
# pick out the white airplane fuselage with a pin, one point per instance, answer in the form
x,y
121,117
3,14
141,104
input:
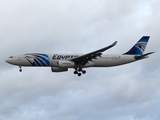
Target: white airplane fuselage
x,y
107,60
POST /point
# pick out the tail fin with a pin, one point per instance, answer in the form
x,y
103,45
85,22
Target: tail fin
x,y
139,47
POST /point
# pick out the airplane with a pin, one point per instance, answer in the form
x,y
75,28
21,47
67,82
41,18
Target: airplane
x,y
62,62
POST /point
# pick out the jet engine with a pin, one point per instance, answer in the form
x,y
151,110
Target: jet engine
x,y
57,69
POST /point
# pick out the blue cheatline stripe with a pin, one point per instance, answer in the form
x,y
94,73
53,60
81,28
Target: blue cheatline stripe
x,y
44,59
33,64
38,64
44,55
37,54
41,61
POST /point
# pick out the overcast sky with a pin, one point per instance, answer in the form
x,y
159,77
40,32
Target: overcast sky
x,y
129,92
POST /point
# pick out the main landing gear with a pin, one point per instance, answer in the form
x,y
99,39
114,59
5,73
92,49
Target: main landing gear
x,y
20,69
79,71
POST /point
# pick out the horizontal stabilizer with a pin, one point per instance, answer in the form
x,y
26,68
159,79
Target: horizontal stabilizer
x,y
143,56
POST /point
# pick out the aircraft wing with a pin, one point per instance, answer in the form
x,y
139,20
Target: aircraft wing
x,y
82,60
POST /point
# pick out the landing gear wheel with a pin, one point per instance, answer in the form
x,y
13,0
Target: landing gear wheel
x,y
80,69
79,74
20,69
75,72
84,72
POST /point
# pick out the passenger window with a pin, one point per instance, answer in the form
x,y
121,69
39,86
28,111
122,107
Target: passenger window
x,y
11,57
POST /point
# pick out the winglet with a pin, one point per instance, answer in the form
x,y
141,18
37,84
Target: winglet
x,y
114,43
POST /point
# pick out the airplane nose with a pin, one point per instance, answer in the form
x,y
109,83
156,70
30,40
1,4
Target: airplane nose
x,y
7,60
11,60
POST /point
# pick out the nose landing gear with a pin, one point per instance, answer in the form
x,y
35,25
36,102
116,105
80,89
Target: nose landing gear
x,y
20,69
79,71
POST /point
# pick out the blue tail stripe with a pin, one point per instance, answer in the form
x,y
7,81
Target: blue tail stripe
x,y
144,39
139,47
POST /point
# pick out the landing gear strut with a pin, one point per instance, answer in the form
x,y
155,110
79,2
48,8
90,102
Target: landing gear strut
x,y
20,69
79,71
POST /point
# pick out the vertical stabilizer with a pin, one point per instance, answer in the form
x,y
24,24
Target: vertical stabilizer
x,y
139,47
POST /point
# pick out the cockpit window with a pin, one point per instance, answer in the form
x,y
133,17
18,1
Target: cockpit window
x,y
11,57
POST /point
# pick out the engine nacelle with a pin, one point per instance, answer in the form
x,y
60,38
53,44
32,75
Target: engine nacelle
x,y
66,64
57,69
